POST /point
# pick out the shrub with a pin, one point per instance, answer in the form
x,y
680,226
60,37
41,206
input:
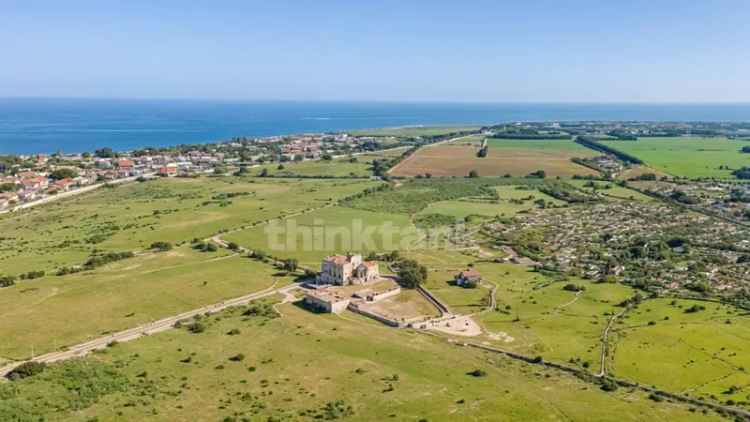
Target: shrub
x,y
237,358
26,369
695,308
7,281
161,246
608,385
477,373
573,287
196,327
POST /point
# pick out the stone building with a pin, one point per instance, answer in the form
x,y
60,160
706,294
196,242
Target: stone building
x,y
347,269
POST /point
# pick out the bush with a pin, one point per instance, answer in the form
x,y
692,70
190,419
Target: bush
x,y
695,308
237,358
205,246
608,385
161,246
196,327
7,281
477,373
26,369
100,260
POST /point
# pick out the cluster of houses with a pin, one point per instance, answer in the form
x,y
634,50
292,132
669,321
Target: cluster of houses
x,y
640,242
35,180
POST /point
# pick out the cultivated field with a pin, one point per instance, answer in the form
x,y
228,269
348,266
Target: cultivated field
x,y
506,156
688,157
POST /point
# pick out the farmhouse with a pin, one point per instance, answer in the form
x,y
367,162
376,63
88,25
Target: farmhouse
x,y
347,269
324,300
468,277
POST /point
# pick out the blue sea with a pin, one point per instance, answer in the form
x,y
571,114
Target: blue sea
x,y
77,125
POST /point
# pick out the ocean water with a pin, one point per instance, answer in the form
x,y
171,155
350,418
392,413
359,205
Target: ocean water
x,y
77,125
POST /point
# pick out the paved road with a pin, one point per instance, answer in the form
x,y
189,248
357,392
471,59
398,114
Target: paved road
x,y
150,328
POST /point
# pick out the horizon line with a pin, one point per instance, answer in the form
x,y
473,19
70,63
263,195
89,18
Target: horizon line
x,y
381,101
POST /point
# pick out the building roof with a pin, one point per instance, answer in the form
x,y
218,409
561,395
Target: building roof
x,y
339,259
470,273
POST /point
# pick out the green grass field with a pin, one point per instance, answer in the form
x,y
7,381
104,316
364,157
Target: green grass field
x,y
611,190
340,167
512,200
688,157
295,367
53,312
131,217
311,237
704,352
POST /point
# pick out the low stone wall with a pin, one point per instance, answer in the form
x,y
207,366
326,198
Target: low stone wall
x,y
432,299
386,294
380,318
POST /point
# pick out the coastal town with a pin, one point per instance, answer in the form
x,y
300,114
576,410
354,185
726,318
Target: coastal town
x,y
26,179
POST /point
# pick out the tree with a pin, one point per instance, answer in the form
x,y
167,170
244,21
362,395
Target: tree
x,y
104,153
473,174
326,157
290,264
66,173
539,174
8,187
411,274
745,149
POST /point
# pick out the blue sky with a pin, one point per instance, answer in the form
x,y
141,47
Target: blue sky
x,y
566,51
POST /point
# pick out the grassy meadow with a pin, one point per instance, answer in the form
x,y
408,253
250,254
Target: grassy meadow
x,y
294,367
52,312
688,157
131,217
704,352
